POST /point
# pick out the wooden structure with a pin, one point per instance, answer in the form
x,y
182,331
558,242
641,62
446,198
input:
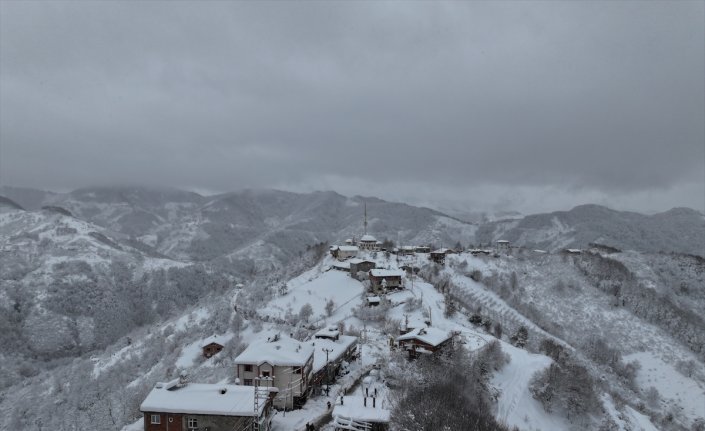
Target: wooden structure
x,y
385,279
424,340
211,349
439,256
358,265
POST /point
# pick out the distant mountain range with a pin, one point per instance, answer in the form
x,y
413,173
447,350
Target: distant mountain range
x,y
676,230
269,226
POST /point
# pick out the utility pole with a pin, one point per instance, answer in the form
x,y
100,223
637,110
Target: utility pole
x,y
327,370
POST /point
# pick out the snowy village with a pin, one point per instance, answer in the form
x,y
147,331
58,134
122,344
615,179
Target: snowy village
x,y
299,215
322,374
329,349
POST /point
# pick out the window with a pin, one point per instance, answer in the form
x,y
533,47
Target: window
x,y
248,382
265,373
248,367
192,423
297,370
156,419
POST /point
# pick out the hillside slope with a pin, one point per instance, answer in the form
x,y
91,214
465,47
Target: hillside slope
x,y
677,230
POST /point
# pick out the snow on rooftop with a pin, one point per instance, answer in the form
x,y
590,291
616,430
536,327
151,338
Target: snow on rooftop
x,y
348,248
386,273
441,250
354,408
285,351
343,265
330,332
368,238
218,339
502,241
428,335
336,349
202,399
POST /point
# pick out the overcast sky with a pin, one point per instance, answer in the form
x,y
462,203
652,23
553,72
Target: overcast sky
x,y
530,106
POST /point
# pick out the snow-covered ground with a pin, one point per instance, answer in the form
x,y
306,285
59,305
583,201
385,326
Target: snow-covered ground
x,y
674,388
317,290
515,405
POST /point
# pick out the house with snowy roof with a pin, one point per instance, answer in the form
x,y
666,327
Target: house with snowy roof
x,y
329,332
284,362
385,279
341,266
329,357
179,405
502,245
342,252
360,265
369,243
212,345
439,256
406,250
424,340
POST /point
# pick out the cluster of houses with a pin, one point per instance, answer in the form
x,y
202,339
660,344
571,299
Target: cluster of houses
x,y
279,372
275,371
352,249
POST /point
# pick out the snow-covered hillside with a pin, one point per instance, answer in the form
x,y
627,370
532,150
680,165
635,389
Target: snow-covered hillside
x,y
105,293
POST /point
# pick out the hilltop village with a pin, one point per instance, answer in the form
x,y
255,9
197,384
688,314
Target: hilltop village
x,y
320,374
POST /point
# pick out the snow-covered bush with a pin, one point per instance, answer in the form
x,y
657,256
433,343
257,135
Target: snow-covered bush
x,y
565,387
451,395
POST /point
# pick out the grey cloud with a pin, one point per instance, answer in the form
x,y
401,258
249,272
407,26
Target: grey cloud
x,y
604,98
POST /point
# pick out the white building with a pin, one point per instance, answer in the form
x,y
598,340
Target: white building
x,y
287,362
346,252
369,243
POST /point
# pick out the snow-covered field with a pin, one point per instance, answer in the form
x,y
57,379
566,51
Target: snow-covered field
x,y
317,290
675,389
515,405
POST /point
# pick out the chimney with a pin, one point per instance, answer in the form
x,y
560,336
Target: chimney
x,y
183,378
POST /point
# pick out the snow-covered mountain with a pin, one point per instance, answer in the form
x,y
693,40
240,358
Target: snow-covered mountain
x,y
677,230
187,226
104,292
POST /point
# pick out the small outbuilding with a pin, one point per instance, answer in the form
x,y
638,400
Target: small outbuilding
x,y
424,340
212,345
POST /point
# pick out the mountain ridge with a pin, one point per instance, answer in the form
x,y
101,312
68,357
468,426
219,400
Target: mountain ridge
x,y
176,222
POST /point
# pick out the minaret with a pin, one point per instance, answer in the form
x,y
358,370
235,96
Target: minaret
x,y
365,218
